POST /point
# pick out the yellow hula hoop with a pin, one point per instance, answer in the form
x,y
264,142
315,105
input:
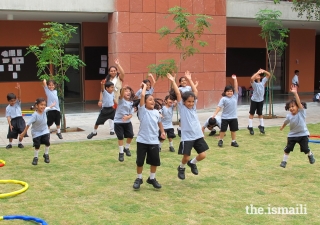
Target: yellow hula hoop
x,y
3,162
26,186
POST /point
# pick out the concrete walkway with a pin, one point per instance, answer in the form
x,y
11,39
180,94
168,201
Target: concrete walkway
x,y
86,121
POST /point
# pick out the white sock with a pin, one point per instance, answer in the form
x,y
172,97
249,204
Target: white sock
x,y
261,122
194,161
19,142
285,157
250,122
58,131
182,165
94,131
120,149
111,124
179,128
152,176
310,153
127,145
160,144
46,150
10,143
171,144
36,153
233,140
139,176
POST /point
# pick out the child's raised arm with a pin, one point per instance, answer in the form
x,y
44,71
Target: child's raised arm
x,y
295,92
267,73
175,87
44,83
102,85
143,94
235,83
122,91
187,74
121,71
19,92
153,80
254,77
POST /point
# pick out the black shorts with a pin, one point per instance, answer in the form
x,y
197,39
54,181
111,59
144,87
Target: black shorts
x,y
53,116
106,113
123,130
303,141
169,132
185,147
256,107
43,139
233,125
149,150
19,125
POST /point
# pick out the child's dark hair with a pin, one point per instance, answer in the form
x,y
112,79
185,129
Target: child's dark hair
x,y
172,94
294,101
108,77
296,71
158,103
186,95
212,121
168,97
51,81
38,101
227,88
180,79
11,96
146,81
131,92
108,84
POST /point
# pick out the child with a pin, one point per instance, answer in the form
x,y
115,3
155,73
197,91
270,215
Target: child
x,y
150,88
39,130
298,129
15,119
211,123
256,105
191,134
229,115
122,123
53,115
147,139
107,111
166,119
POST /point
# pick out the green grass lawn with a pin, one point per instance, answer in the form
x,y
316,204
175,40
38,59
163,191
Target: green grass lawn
x,y
86,184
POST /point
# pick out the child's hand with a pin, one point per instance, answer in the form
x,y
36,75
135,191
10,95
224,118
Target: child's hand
x,y
196,83
150,75
103,81
163,135
116,61
21,136
125,118
53,104
293,89
143,85
100,104
187,74
18,86
10,127
44,82
170,77
234,76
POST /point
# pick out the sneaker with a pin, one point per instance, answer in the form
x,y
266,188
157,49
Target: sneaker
x,y
46,158
234,144
35,161
311,159
220,143
213,132
261,128
111,133
154,183
171,149
20,145
179,132
181,173
127,151
8,146
91,135
59,136
283,164
251,130
137,183
193,167
121,157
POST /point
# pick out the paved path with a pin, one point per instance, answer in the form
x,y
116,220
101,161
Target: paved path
x,y
86,121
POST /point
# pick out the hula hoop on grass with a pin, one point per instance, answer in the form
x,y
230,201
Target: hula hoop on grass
x,y
21,217
2,163
26,186
315,141
314,136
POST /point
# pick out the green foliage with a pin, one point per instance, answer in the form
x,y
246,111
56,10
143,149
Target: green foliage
x,y
161,70
51,52
311,8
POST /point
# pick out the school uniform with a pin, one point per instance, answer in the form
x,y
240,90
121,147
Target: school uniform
x,y
298,133
295,80
166,120
39,129
185,89
229,114
191,132
218,119
148,92
147,139
53,114
17,121
122,128
257,98
107,111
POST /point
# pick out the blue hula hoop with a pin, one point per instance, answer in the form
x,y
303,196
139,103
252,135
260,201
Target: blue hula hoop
x,y
27,218
315,141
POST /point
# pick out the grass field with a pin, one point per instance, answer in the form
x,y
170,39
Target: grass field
x,y
85,184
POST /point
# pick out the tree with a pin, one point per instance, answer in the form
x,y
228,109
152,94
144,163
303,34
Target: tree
x,y
274,36
311,8
187,34
52,62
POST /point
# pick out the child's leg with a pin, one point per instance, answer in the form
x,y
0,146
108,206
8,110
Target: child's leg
x,y
35,156
111,125
198,158
233,136
152,179
160,144
184,160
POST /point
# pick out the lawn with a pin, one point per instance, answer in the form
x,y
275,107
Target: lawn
x,y
86,184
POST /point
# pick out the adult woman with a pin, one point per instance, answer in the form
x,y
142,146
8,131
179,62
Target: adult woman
x,y
116,78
